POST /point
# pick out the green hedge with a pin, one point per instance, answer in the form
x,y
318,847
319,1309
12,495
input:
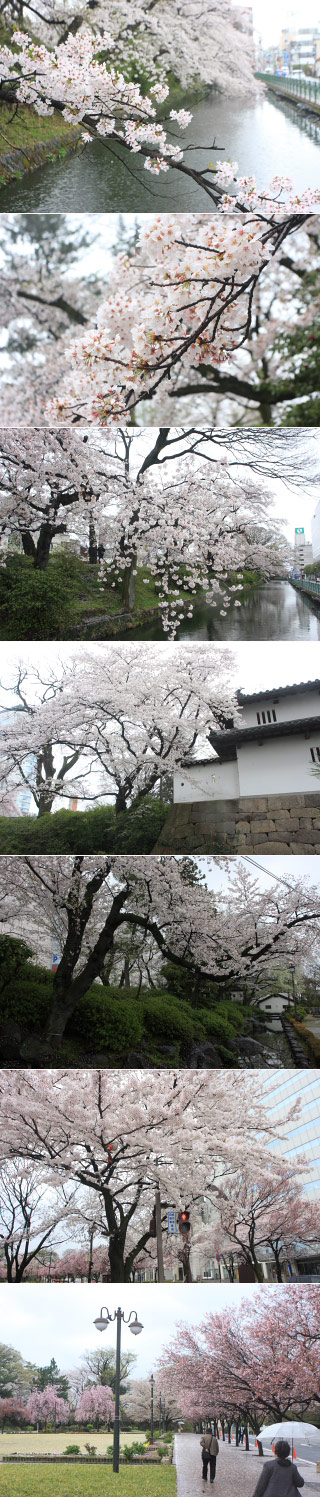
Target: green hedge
x,y
99,830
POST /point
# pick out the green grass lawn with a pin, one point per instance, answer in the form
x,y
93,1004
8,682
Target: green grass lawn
x,y
25,1442
87,1481
29,128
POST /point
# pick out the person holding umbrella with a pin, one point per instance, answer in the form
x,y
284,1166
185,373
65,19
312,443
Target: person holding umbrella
x,y
279,1478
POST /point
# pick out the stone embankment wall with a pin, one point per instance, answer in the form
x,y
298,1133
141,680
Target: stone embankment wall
x,y
17,162
270,823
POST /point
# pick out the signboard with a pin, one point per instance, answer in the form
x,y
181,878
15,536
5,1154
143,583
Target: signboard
x,y
299,529
172,1223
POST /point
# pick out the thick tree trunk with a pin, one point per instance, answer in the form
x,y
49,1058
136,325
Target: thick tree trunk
x,y
129,587
44,546
28,544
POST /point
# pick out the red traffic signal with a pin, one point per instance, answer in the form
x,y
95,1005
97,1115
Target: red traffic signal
x,y
184,1223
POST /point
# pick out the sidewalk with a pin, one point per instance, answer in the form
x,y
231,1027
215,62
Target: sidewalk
x,y
237,1470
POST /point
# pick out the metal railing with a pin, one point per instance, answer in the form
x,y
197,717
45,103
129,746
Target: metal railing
x,y
298,88
307,584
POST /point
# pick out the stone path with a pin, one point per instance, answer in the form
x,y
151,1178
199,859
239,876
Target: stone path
x,y
237,1470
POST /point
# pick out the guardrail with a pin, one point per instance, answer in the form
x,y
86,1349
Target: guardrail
x,y
306,585
296,88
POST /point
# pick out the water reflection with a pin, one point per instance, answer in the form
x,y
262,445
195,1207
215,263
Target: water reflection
x,y
264,136
275,611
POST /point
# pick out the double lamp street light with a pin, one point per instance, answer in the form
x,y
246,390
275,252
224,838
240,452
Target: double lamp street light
x,y
102,1321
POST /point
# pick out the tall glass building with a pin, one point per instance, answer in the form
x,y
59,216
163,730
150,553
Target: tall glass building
x,y
302,1134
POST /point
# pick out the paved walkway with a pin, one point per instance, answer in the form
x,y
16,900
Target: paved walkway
x,y
237,1470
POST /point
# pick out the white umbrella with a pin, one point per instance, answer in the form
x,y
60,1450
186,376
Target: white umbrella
x,y
290,1429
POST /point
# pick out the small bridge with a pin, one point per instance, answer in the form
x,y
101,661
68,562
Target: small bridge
x,y
302,91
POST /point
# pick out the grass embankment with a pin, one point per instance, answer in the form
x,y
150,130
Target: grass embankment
x,y
28,140
87,1481
68,601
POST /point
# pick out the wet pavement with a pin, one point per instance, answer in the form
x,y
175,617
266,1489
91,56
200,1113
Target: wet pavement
x,y
237,1470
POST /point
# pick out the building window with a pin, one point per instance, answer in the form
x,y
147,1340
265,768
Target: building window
x,y
266,717
315,755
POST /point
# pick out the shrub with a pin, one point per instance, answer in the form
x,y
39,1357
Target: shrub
x,y
73,1450
101,1020
13,960
165,1018
99,830
35,604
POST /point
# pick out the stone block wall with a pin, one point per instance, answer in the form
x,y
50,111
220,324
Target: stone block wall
x,y
271,823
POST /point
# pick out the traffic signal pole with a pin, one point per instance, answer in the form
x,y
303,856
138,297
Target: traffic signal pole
x,y
161,1278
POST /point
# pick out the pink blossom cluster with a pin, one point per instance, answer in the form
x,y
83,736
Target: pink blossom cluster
x,y
87,90
183,301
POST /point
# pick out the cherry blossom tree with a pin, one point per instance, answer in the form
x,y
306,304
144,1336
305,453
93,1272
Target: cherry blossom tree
x,y
96,1405
82,1263
76,78
211,47
87,900
258,1363
45,1406
272,1216
121,1137
27,1219
136,1402
184,302
50,485
191,531
108,724
12,1411
41,309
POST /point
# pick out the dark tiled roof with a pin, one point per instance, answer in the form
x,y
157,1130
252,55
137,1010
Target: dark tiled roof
x,y
297,688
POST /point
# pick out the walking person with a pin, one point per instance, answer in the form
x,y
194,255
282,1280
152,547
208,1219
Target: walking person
x,y
210,1450
279,1478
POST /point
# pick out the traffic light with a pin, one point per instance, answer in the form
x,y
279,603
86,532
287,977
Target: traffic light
x,y
184,1222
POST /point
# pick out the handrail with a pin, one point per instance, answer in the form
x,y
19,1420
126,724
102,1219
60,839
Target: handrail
x,y
299,88
306,585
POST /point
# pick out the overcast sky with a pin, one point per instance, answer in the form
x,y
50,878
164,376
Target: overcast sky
x,y
265,870
43,1321
269,19
257,664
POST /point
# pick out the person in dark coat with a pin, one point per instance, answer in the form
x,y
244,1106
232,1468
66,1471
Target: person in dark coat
x,y
210,1450
279,1478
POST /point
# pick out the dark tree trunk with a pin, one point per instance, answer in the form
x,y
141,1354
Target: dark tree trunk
x,y
28,544
93,547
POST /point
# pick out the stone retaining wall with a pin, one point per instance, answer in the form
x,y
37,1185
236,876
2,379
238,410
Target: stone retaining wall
x,y
272,823
17,162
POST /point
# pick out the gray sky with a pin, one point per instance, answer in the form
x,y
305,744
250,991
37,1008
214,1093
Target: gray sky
x,y
56,1320
271,18
257,664
263,869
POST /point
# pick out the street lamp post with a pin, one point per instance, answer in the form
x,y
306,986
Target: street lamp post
x,y
152,1407
101,1323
